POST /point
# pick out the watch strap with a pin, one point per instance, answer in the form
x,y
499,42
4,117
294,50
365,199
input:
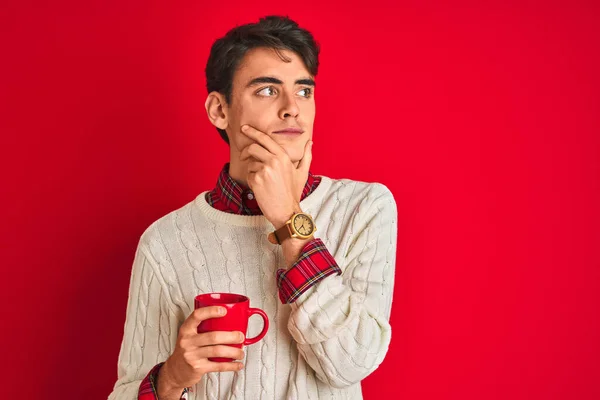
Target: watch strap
x,y
278,236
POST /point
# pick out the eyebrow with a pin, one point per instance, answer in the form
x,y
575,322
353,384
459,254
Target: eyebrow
x,y
270,79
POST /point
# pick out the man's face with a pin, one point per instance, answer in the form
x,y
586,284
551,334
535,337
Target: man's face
x,y
272,95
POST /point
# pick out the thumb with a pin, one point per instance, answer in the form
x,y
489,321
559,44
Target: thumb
x,y
304,164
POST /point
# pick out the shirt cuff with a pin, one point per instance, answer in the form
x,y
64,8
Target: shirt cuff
x,y
148,386
315,263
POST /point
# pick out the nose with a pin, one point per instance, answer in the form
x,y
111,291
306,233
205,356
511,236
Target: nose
x,y
289,107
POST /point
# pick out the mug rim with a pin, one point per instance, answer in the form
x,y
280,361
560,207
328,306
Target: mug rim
x,y
223,298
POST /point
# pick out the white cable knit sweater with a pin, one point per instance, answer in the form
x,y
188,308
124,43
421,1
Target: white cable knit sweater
x,y
319,347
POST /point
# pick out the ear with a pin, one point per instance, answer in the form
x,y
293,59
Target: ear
x,y
216,109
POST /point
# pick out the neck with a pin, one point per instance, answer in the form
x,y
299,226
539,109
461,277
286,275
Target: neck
x,y
239,172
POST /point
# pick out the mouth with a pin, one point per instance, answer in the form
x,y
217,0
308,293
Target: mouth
x,y
289,131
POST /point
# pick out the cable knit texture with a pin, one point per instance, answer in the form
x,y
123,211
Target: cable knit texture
x,y
319,347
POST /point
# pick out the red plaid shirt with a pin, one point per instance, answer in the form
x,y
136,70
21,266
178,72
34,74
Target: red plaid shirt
x,y
315,261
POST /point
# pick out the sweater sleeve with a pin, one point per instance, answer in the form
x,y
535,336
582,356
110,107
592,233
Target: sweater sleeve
x,y
341,325
150,330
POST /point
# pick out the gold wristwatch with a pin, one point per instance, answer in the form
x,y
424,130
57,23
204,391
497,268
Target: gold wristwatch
x,y
300,225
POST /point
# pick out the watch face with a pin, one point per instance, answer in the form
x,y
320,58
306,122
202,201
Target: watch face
x,y
303,225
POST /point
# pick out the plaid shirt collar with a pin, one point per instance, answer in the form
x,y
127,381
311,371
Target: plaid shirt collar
x,y
232,197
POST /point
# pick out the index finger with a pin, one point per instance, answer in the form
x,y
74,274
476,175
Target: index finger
x,y
263,139
190,325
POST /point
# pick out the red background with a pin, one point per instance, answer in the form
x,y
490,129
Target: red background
x,y
483,120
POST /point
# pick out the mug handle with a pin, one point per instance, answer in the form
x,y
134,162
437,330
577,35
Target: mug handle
x,y
252,311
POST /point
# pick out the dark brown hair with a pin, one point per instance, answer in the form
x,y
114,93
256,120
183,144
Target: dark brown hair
x,y
275,32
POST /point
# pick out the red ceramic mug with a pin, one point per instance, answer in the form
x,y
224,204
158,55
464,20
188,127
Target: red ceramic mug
x,y
236,319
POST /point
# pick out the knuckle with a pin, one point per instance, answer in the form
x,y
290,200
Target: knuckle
x,y
221,367
188,358
213,337
224,350
184,341
226,366
198,366
198,312
213,351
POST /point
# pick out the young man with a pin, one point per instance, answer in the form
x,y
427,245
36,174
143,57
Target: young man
x,y
327,293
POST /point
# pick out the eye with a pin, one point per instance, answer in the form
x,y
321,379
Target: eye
x,y
307,92
267,92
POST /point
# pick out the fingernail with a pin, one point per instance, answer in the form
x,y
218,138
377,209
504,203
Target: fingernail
x,y
222,311
244,127
241,337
